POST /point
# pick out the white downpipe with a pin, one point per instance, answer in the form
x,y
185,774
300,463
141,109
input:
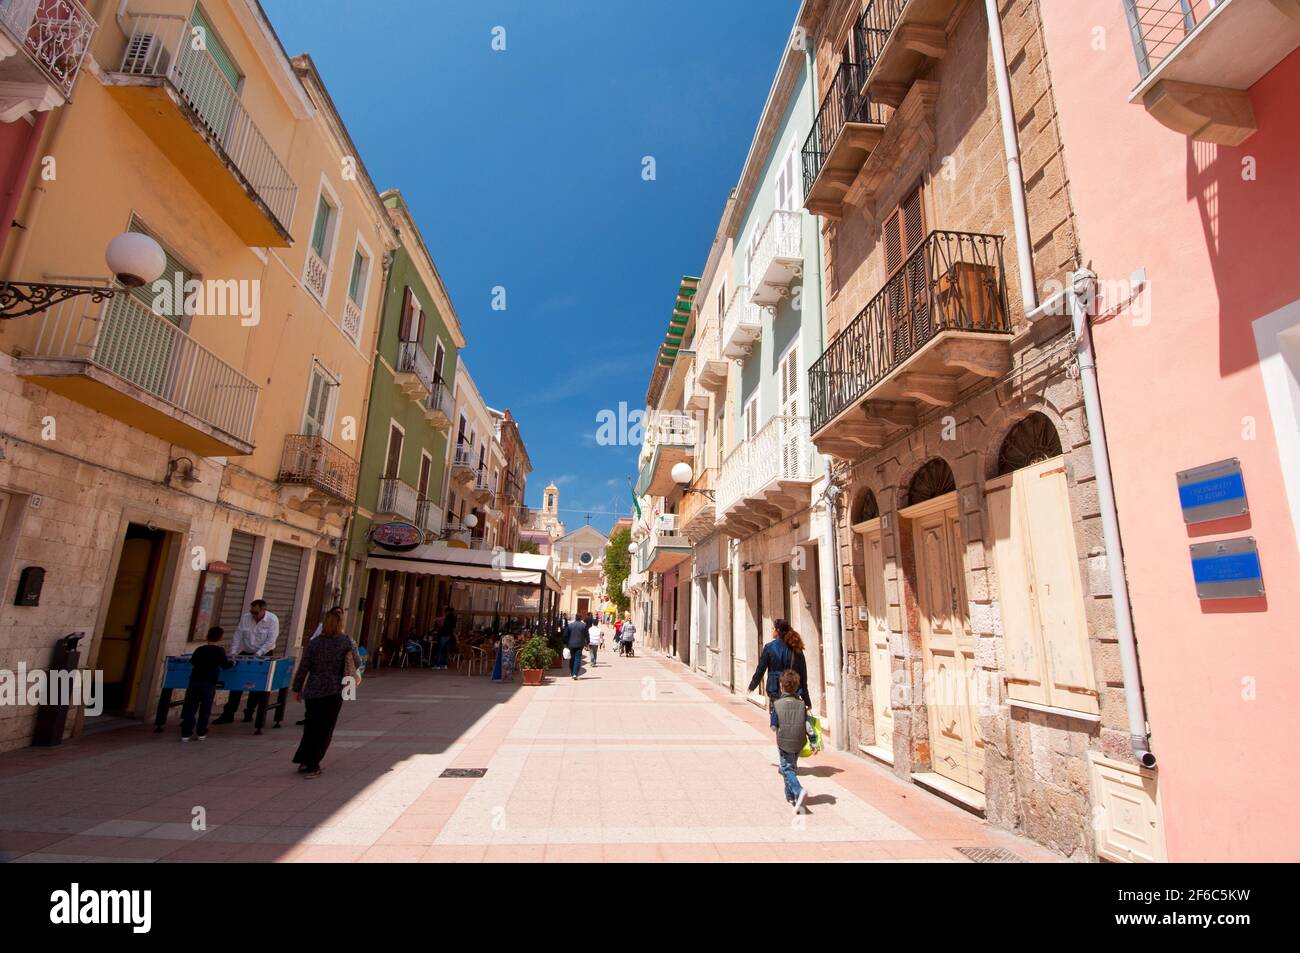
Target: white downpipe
x,y
1081,294
1079,297
840,732
1011,143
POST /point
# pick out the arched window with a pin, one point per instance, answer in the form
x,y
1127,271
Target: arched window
x,y
867,508
1031,441
933,479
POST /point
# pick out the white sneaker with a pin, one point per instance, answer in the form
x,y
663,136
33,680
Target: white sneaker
x,y
798,802
185,738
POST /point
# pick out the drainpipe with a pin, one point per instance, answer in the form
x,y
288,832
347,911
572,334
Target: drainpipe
x,y
1011,143
840,736
1078,298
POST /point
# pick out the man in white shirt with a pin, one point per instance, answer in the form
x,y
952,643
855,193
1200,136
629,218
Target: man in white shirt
x,y
258,631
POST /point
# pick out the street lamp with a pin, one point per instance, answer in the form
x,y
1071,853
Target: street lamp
x,y
470,521
134,258
682,475
631,548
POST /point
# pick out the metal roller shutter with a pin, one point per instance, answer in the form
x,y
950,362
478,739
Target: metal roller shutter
x,y
281,588
240,558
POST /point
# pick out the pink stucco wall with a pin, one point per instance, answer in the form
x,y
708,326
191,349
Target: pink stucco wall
x,y
1181,391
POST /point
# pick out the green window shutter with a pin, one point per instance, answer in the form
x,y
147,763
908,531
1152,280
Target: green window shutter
x,y
319,231
354,283
220,55
147,294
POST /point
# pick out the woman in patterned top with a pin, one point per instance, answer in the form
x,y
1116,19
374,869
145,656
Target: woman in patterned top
x,y
318,684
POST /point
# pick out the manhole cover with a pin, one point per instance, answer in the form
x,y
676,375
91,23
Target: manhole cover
x,y
990,855
463,773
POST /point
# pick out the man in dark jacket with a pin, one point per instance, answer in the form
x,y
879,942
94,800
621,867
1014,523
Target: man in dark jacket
x,y
575,637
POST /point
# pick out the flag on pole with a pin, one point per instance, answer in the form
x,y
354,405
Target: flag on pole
x,y
636,504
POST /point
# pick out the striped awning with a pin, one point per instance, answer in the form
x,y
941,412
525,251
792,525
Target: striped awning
x,y
679,321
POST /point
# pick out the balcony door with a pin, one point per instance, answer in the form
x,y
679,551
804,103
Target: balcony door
x,y
790,406
316,418
393,460
207,76
908,281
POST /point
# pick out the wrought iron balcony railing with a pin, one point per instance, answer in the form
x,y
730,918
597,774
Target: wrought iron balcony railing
x,y
311,460
127,339
54,33
845,102
953,281
398,498
1158,26
412,359
878,20
160,45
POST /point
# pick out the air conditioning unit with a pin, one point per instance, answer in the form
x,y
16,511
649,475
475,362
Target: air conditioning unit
x,y
145,55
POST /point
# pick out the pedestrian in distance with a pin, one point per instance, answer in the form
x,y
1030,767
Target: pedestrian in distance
x,y
575,637
626,638
595,641
206,664
318,684
791,736
784,652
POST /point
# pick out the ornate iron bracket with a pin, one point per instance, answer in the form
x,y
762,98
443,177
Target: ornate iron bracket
x,y
18,299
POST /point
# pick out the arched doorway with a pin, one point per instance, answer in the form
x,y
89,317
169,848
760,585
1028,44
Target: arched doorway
x,y
872,633
947,643
1040,592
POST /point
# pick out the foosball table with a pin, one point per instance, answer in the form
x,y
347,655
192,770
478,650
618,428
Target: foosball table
x,y
261,676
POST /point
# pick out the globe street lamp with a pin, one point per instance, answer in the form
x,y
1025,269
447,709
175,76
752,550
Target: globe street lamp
x,y
682,475
134,258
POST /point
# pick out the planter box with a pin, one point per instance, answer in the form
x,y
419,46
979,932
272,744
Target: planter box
x,y
533,676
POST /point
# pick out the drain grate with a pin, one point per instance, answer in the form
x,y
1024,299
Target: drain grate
x,y
990,855
463,773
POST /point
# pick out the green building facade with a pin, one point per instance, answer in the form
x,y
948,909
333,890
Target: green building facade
x,y
404,455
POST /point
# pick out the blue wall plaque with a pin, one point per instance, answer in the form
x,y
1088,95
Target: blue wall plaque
x,y
1213,492
1227,569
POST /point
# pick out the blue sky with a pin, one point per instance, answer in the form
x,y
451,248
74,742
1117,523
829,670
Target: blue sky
x,y
523,168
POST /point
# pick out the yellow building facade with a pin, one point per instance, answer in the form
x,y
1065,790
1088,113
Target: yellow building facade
x,y
172,452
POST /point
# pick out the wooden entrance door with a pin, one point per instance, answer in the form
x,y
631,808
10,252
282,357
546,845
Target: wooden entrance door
x,y
878,635
948,648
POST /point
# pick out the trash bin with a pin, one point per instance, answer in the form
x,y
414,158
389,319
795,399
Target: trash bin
x,y
51,717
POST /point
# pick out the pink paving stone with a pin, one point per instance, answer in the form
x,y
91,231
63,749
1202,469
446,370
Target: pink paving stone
x,y
388,854
454,854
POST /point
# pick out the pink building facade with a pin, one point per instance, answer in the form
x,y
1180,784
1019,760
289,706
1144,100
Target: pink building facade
x,y
1181,127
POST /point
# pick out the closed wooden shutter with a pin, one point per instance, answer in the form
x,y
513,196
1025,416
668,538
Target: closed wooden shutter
x,y
1041,595
281,588
240,558
1025,668
408,310
393,464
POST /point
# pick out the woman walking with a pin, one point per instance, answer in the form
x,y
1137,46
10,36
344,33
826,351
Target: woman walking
x,y
784,652
318,683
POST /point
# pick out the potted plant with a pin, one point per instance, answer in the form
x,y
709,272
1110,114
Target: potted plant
x,y
533,658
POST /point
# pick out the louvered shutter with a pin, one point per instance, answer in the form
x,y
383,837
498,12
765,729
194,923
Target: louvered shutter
x,y
790,435
918,277
281,588
240,558
408,305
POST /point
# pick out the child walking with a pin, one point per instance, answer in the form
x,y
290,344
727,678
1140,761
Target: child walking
x,y
791,735
206,663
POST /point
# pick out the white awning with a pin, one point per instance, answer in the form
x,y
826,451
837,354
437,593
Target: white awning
x,y
436,559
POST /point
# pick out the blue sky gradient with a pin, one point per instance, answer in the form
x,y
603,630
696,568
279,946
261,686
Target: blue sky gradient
x,y
523,168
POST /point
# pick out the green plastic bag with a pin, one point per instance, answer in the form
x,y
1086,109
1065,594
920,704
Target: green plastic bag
x,y
813,744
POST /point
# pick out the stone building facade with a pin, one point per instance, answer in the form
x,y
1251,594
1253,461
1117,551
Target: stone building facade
x,y
957,428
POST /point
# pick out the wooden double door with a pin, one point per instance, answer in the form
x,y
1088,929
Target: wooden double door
x,y
948,645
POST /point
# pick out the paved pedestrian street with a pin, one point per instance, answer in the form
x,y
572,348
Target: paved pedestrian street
x,y
639,760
